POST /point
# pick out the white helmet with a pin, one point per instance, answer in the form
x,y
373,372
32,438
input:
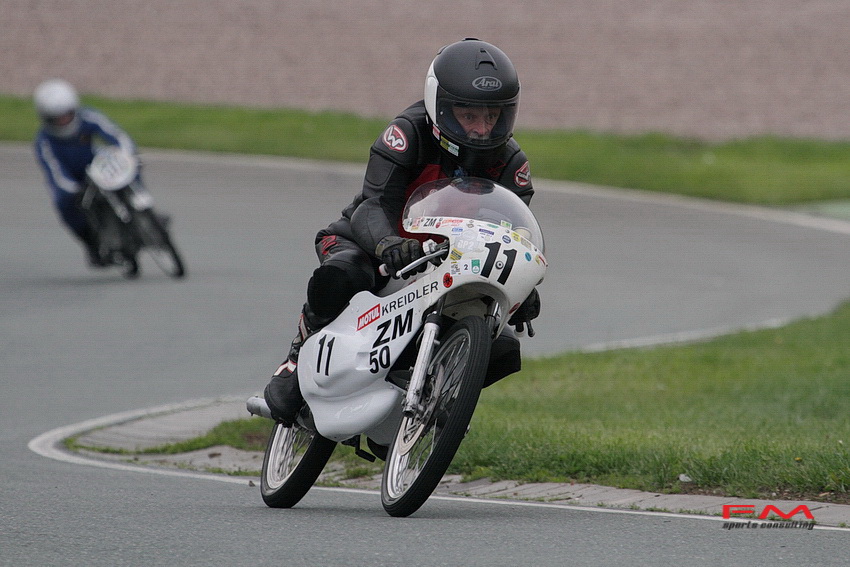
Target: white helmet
x,y
55,100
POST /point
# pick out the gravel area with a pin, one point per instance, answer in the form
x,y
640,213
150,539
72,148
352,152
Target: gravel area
x,y
715,69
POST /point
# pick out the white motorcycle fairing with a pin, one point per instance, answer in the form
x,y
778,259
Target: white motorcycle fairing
x,y
342,368
114,168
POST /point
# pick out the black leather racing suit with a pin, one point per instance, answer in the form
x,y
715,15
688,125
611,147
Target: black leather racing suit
x,y
404,157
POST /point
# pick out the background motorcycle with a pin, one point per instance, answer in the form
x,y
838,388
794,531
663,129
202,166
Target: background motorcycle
x,y
404,366
123,216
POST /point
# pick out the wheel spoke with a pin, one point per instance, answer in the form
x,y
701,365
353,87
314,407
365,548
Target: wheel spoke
x,y
294,458
427,441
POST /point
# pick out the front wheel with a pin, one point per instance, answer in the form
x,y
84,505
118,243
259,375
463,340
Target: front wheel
x,y
427,442
293,461
157,242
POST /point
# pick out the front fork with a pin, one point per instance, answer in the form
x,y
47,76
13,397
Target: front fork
x,y
430,331
413,398
120,208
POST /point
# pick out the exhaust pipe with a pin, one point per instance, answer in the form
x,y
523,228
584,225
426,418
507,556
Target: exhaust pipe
x,y
258,406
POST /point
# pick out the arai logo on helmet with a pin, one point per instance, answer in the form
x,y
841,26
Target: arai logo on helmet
x,y
487,84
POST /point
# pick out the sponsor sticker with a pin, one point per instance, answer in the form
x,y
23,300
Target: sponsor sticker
x,y
369,317
449,146
405,298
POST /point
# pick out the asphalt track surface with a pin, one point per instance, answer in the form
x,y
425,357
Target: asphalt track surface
x,y
78,344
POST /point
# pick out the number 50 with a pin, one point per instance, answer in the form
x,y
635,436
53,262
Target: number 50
x,y
379,358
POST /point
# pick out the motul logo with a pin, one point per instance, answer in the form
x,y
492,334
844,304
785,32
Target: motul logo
x,y
729,509
369,317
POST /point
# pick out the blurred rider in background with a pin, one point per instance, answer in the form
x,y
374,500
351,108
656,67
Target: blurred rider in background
x,y
69,136
462,127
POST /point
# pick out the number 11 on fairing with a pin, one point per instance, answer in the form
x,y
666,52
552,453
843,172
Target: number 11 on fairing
x,y
322,352
492,252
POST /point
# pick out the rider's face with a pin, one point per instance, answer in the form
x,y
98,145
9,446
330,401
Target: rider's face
x,y
476,121
62,119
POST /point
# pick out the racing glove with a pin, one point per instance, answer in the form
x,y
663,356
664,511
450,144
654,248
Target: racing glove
x,y
529,310
397,252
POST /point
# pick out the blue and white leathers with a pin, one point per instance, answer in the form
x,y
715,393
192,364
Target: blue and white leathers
x,y
64,161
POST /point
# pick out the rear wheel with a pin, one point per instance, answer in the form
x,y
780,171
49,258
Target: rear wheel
x,y
157,242
293,461
427,442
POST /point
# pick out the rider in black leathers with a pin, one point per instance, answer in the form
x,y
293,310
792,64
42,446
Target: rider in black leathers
x,y
463,126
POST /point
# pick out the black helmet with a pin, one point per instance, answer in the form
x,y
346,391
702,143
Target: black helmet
x,y
472,81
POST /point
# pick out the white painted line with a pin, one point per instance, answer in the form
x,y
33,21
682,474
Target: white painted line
x,y
800,219
696,335
49,445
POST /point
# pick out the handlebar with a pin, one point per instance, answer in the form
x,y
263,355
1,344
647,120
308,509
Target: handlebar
x,y
432,250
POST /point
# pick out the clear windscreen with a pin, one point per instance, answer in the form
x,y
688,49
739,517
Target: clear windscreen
x,y
474,198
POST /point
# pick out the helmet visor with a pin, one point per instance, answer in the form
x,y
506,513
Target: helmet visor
x,y
60,120
63,125
477,125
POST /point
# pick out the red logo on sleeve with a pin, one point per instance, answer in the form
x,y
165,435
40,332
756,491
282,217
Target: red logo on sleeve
x,y
394,138
522,177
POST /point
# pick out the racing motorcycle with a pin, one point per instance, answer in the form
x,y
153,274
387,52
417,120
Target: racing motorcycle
x,y
122,213
404,366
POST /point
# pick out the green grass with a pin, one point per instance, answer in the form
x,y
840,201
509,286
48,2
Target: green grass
x,y
245,434
769,171
754,414
747,414
751,414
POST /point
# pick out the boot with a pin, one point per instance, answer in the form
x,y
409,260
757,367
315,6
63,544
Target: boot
x,y
282,394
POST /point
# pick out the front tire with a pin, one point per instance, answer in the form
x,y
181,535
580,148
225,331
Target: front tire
x,y
157,242
427,442
293,461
